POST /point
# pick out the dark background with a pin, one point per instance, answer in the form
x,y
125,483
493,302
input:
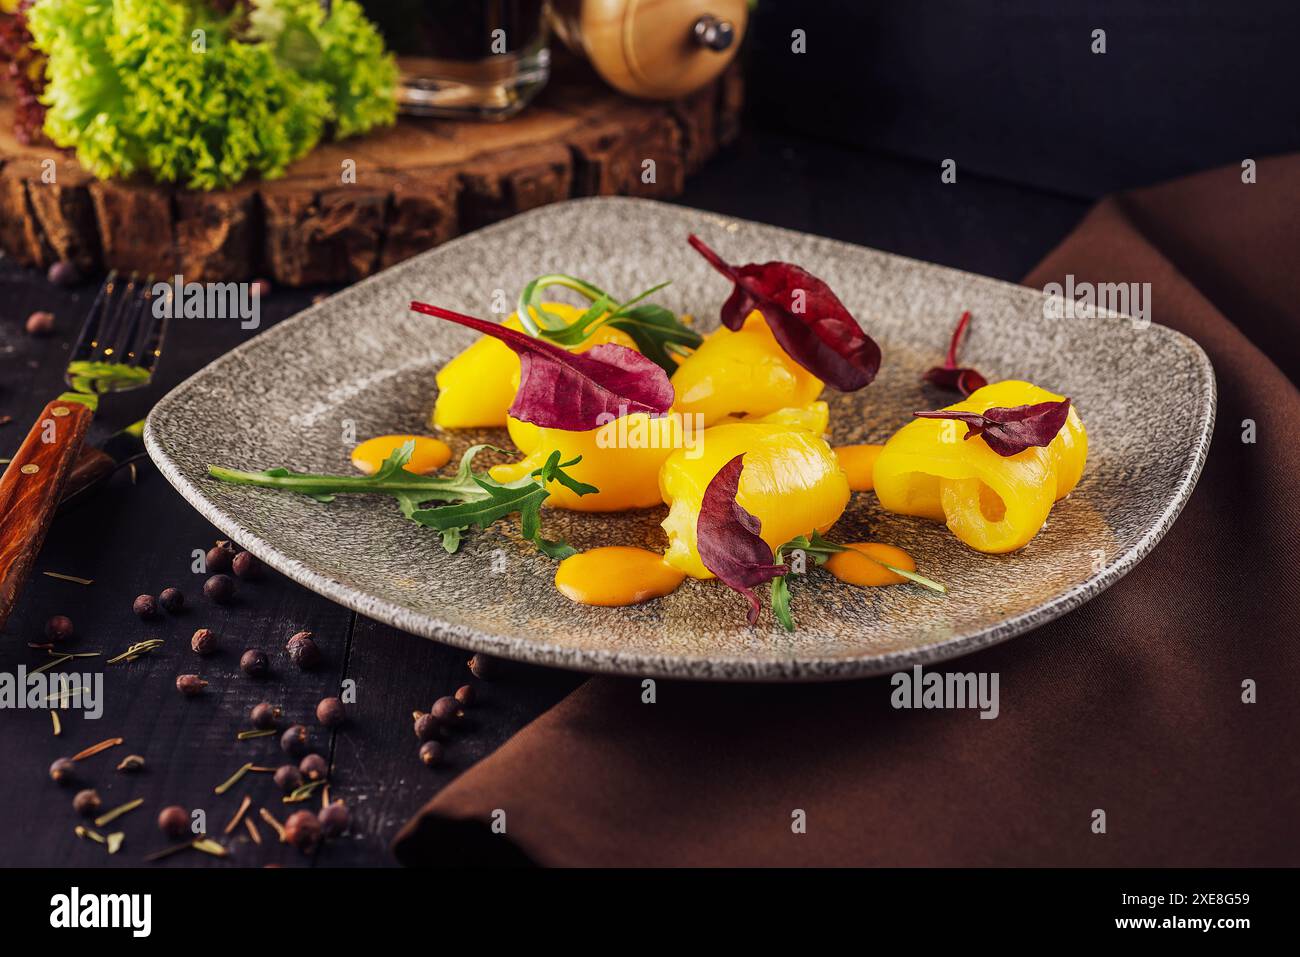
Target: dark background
x,y
844,141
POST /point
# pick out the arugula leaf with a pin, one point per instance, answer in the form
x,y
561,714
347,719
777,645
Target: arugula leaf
x,y
820,549
657,332
391,478
524,497
478,499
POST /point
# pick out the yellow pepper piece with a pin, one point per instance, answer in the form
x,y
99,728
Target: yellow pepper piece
x,y
993,503
859,462
742,372
622,459
814,417
792,483
476,388
429,455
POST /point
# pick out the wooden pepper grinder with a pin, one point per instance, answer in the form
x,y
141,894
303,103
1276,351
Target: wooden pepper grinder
x,y
654,49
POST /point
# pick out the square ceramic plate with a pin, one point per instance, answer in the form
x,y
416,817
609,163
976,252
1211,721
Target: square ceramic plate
x,y
361,358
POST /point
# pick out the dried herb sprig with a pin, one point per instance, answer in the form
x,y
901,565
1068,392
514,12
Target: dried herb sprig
x,y
136,650
70,578
234,779
118,811
303,792
96,748
234,821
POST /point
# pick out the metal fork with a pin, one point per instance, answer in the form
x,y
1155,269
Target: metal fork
x,y
117,349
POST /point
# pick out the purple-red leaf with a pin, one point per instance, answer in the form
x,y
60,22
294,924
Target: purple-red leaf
x,y
728,541
1010,431
950,375
576,392
807,319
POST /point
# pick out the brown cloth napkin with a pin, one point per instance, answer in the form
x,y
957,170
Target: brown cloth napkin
x,y
1131,704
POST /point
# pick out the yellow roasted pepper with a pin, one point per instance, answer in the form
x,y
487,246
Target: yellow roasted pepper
x,y
792,483
622,459
745,372
992,503
476,388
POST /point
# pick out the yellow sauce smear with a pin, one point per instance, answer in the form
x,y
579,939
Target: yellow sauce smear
x,y
615,575
854,568
859,463
429,455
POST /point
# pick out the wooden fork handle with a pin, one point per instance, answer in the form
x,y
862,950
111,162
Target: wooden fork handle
x,y
30,490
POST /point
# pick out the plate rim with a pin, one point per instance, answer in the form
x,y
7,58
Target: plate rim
x,y
796,668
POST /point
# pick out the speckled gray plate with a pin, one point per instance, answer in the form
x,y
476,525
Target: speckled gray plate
x,y
1147,398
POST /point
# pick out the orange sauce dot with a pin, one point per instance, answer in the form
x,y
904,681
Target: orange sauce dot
x,y
615,575
859,463
855,568
429,455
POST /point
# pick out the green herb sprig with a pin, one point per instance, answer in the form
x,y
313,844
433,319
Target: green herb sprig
x,y
476,500
820,549
658,333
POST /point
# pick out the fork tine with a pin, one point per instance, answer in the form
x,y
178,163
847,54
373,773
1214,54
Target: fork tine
x,y
152,332
111,332
90,327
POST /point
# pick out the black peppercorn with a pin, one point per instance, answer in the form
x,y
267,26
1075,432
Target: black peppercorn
x,y
190,685
448,711
204,641
64,771
172,600
63,273
265,716
303,651
40,323
246,566
146,606
220,588
86,803
58,628
302,830
314,767
330,712
481,666
426,726
465,694
254,663
334,819
174,821
288,778
294,741
220,558
431,753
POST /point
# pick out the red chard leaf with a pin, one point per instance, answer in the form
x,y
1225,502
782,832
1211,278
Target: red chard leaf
x,y
575,392
728,541
805,316
1010,431
950,375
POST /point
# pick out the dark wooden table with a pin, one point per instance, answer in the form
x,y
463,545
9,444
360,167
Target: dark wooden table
x,y
138,538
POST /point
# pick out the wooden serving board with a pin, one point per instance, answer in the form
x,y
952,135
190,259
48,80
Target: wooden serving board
x,y
417,184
